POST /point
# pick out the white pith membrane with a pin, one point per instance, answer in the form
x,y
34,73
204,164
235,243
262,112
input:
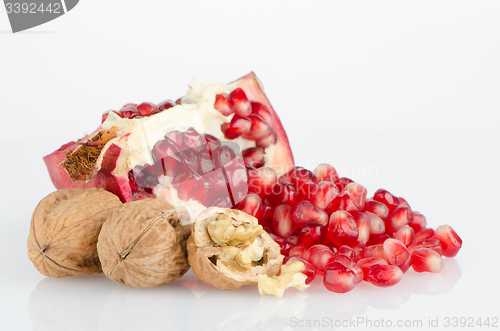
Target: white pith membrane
x,y
136,137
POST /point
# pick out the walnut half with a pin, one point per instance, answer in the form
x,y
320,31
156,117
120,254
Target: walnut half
x,y
228,249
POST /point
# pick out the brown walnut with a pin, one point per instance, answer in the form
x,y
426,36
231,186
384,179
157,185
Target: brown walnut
x,y
228,249
64,230
143,243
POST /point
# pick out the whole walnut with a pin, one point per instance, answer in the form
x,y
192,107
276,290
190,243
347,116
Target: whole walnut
x,y
143,243
64,230
229,249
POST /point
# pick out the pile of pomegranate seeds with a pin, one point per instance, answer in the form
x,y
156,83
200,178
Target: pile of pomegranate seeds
x,y
201,167
251,120
328,223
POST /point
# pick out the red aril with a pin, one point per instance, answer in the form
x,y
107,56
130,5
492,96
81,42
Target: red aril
x,y
268,140
398,217
377,225
378,239
377,208
449,239
309,269
263,112
293,238
166,104
267,213
433,244
345,260
224,104
402,201
347,251
305,212
427,260
298,250
238,126
397,254
368,262
283,193
320,258
323,194
261,181
192,140
313,249
384,275
147,108
310,234
339,278
358,192
406,235
326,172
283,224
342,228
285,245
424,234
254,157
342,183
388,199
259,128
374,251
363,224
103,118
419,222
345,201
242,106
251,204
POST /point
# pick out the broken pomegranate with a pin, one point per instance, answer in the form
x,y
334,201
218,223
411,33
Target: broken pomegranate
x,y
196,152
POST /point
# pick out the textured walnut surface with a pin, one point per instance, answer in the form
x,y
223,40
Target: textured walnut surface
x,y
64,230
222,273
143,243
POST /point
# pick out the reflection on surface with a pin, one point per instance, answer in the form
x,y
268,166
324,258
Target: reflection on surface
x,y
95,303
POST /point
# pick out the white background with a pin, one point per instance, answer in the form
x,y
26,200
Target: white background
x,y
398,95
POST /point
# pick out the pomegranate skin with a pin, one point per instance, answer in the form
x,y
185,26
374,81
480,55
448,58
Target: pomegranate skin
x,y
105,175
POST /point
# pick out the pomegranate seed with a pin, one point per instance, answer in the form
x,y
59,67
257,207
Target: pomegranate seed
x,y
377,208
339,278
320,258
130,104
310,234
254,157
190,160
433,244
397,254
326,172
342,183
147,108
388,199
298,175
419,222
358,250
377,239
402,201
223,156
175,138
262,111
313,249
166,104
358,192
237,179
191,139
368,262
298,250
105,115
266,216
347,251
168,156
251,204
282,221
283,193
377,225
374,251
211,143
363,224
342,228
268,140
238,126
398,217
424,234
259,129
203,192
206,163
305,212
146,176
384,275
185,183
285,245
427,260
345,260
323,194
293,239
345,201
242,106
224,104
178,101
309,269
406,235
449,239
129,112
262,180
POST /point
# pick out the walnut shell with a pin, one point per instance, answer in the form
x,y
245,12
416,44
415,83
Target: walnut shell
x,y
64,230
222,273
143,243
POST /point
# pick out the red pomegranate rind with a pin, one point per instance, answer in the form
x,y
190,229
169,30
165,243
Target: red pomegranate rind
x,y
282,159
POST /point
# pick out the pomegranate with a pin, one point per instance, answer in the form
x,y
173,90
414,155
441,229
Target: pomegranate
x,y
196,152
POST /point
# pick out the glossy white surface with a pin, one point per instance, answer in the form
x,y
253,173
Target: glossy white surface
x,y
394,96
